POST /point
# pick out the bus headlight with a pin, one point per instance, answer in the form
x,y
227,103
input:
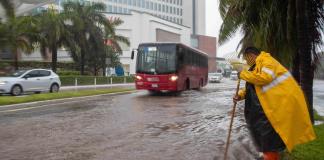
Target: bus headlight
x,y
174,78
139,78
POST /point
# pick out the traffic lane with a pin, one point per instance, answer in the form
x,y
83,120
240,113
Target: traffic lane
x,y
135,126
34,107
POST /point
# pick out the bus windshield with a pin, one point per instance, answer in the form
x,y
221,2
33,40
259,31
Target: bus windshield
x,y
157,59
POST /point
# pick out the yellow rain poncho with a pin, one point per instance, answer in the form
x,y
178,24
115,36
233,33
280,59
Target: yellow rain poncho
x,y
282,100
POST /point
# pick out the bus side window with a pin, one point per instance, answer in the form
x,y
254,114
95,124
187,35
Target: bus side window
x,y
187,57
191,58
181,59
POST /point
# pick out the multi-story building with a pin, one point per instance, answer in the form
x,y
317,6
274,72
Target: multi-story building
x,y
170,10
167,20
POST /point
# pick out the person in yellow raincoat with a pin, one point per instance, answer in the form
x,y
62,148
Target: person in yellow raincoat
x,y
275,108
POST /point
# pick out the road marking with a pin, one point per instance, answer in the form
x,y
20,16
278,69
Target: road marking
x,y
21,109
55,104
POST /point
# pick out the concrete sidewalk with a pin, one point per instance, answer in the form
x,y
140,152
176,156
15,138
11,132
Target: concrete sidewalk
x,y
84,87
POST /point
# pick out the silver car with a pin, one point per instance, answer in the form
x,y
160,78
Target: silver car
x,y
35,80
233,75
215,77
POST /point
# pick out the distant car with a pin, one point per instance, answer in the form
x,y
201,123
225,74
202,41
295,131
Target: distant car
x,y
35,80
233,75
215,77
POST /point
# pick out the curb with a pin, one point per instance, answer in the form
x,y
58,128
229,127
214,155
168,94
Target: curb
x,y
62,100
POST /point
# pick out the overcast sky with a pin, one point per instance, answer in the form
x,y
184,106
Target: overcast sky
x,y
214,21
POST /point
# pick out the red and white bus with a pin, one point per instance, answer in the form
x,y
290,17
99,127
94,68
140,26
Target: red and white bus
x,y
170,67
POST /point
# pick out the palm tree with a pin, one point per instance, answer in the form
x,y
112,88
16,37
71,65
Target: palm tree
x,y
309,26
289,29
91,28
9,7
18,34
53,34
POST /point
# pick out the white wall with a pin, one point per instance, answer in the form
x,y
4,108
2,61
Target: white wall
x,y
141,27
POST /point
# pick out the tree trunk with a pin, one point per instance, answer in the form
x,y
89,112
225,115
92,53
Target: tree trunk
x,y
54,58
305,53
104,71
95,70
82,63
296,68
16,58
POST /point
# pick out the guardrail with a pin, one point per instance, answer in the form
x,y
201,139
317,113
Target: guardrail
x,y
91,80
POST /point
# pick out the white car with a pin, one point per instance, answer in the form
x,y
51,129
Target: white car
x,y
35,80
233,75
215,77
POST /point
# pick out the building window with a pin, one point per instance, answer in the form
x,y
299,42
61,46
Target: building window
x,y
138,3
109,9
147,5
155,6
120,10
143,4
163,8
129,2
125,1
115,9
159,7
151,5
167,9
125,11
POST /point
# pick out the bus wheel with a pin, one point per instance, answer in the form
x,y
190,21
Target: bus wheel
x,y
187,84
200,84
153,92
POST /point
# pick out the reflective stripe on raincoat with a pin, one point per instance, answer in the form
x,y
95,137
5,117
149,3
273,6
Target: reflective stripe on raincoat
x,y
282,100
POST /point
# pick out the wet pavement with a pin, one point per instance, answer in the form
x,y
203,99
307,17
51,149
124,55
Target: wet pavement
x,y
136,126
318,99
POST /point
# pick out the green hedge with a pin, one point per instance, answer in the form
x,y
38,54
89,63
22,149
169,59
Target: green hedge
x,y
89,80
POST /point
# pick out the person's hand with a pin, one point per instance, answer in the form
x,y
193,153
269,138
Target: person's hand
x,y
238,75
239,68
236,98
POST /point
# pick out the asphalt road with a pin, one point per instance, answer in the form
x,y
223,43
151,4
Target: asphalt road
x,y
134,126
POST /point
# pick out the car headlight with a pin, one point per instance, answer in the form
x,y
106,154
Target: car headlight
x,y
3,82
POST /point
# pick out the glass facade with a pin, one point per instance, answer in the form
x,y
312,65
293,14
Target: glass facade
x,y
170,10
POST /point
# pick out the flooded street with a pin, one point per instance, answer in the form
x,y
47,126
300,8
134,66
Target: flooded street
x,y
136,126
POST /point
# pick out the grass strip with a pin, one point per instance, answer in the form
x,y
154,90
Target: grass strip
x,y
313,150
7,100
